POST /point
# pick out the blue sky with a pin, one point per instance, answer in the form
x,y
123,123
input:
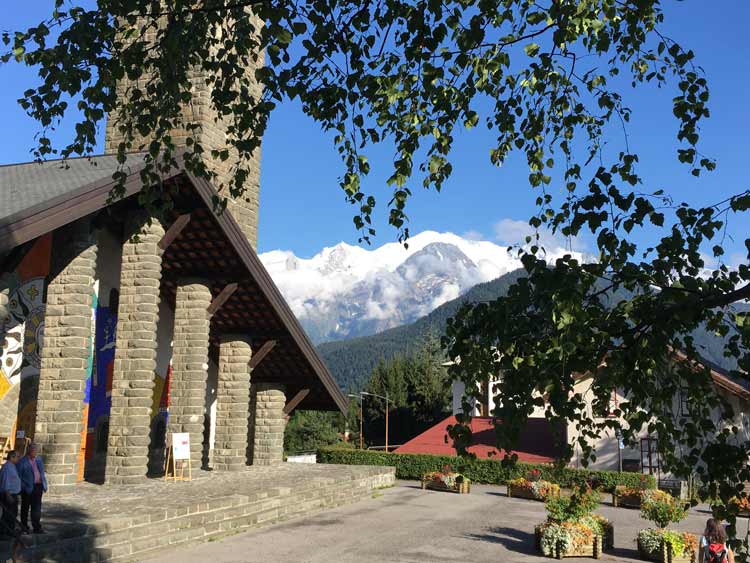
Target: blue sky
x,y
302,208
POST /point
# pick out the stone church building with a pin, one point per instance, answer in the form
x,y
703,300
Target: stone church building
x,y
112,341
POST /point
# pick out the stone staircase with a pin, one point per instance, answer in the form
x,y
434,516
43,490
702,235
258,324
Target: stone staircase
x,y
128,536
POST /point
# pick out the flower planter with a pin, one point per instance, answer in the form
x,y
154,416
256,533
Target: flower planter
x,y
665,555
593,549
462,488
626,501
517,491
608,541
521,492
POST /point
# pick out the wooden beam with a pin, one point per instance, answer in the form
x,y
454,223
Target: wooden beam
x,y
228,275
222,298
174,231
296,400
261,353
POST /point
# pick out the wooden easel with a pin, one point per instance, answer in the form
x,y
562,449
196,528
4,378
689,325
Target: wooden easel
x,y
175,468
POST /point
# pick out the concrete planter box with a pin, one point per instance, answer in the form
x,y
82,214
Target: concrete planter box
x,y
665,555
462,488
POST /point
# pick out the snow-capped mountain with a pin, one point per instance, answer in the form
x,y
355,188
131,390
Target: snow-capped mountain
x,y
346,291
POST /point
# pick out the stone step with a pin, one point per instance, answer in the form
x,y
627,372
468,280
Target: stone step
x,y
132,539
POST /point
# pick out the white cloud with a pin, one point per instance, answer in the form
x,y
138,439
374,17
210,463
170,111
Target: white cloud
x,y
344,286
472,235
512,232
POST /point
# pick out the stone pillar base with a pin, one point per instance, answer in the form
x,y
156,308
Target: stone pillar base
x,y
268,441
232,401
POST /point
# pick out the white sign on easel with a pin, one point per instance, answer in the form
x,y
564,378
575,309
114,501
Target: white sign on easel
x,y
180,446
178,455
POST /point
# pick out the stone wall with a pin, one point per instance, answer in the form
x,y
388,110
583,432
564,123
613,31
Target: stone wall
x,y
9,409
211,135
67,353
135,353
190,364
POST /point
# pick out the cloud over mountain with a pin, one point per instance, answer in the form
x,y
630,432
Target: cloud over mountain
x,y
346,291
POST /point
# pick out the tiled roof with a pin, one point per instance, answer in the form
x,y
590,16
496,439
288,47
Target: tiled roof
x,y
32,184
537,443
36,199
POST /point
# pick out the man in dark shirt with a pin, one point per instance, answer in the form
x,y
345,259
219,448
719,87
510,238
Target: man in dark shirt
x,y
33,486
10,488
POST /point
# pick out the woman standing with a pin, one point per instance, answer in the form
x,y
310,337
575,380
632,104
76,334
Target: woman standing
x,y
714,548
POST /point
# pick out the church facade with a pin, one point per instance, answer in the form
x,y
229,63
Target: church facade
x,y
120,329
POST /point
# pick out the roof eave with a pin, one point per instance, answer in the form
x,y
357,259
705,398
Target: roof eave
x,y
241,245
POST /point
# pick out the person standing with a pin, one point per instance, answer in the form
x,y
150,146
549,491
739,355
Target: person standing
x,y
33,486
10,488
713,545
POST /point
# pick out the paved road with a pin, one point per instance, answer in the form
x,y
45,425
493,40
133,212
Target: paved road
x,y
406,524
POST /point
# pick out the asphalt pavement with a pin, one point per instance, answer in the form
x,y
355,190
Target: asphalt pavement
x,y
407,524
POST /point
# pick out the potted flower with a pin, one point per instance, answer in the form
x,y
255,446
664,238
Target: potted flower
x,y
446,480
667,546
629,497
660,544
532,487
571,530
741,505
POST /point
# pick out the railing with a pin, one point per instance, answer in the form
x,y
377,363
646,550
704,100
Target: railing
x,y
391,447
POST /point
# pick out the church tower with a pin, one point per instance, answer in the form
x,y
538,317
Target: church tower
x,y
212,136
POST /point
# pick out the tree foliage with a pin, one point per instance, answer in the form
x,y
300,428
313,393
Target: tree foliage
x,y
307,431
418,389
546,78
351,361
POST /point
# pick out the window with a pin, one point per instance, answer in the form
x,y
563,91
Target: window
x,y
650,462
613,404
684,401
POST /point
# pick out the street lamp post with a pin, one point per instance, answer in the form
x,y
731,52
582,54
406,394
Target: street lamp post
x,y
361,419
387,401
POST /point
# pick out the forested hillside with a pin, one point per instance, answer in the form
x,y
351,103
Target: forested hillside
x,y
352,361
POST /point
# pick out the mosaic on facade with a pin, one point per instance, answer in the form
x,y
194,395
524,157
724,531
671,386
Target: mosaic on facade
x,y
22,337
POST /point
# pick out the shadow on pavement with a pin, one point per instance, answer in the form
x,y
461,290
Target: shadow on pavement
x,y
70,538
624,554
510,538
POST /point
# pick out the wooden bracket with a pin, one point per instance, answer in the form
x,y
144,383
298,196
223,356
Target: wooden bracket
x,y
174,231
296,400
222,298
261,353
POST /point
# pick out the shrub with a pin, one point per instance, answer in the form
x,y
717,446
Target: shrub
x,y
492,471
682,544
661,508
570,523
623,491
580,504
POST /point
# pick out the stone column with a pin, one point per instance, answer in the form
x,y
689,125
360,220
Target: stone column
x,y
187,393
66,355
232,401
135,353
268,442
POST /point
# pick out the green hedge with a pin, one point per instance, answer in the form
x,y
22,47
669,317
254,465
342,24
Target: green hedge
x,y
413,466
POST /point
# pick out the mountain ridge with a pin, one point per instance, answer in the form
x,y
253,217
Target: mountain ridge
x,y
346,291
352,360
